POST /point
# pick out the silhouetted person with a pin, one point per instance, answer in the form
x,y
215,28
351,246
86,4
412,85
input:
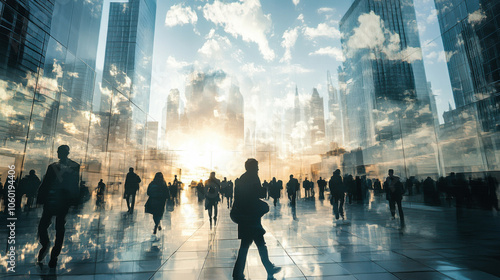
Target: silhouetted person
x,y
200,191
394,194
337,194
492,184
131,187
350,186
307,188
275,190
212,190
461,191
265,185
58,191
409,185
100,190
223,187
311,188
359,192
291,188
174,188
247,192
429,191
29,185
377,186
158,194
321,185
229,193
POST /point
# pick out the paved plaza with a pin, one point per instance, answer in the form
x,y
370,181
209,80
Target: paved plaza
x,y
106,243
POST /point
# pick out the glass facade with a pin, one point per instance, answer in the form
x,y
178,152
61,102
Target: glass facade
x,y
48,93
388,116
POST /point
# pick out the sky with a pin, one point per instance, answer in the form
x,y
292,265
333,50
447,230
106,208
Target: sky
x,y
267,48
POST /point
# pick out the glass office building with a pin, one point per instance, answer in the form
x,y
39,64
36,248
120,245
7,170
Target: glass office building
x,y
50,97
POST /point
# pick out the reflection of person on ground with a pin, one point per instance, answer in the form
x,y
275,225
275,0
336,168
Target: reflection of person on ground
x,y
223,187
199,191
246,198
307,187
229,193
212,190
321,186
158,194
131,187
29,186
58,191
394,194
337,194
275,190
291,188
100,190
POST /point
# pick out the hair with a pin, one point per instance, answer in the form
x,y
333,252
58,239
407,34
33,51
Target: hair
x,y
63,148
159,177
391,170
251,164
32,172
131,169
337,171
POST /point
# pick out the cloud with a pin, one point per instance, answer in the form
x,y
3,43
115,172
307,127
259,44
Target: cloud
x,y
180,15
293,69
477,17
215,46
372,34
330,51
174,64
296,2
245,19
325,10
250,69
322,30
289,38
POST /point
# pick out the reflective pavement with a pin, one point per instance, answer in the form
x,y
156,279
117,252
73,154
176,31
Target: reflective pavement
x,y
106,243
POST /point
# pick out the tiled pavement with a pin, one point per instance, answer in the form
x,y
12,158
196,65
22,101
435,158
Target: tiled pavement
x,y
106,243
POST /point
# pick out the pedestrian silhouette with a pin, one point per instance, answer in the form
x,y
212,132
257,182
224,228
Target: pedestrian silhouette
x,y
212,190
321,186
131,187
29,186
158,194
100,190
250,209
291,188
275,190
394,194
337,194
58,191
229,194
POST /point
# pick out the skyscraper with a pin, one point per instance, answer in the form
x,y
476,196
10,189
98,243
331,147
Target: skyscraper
x,y
129,49
471,40
317,120
384,73
334,129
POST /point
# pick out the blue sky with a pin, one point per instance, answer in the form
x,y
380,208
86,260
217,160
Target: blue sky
x,y
268,48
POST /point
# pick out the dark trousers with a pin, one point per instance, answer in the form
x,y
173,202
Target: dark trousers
x,y
239,266
275,200
229,201
292,197
44,224
392,206
212,208
157,219
338,206
130,198
321,192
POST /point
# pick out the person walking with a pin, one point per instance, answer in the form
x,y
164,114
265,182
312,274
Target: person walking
x,y
291,188
229,194
247,203
58,191
337,194
394,194
131,187
321,186
212,190
275,190
158,194
29,186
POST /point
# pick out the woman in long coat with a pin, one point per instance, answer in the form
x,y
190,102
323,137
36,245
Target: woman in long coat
x,y
158,194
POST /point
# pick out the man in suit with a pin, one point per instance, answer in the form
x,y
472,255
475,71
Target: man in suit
x,y
131,187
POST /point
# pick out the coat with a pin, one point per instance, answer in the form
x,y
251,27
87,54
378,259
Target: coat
x,y
247,193
158,194
60,187
132,183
